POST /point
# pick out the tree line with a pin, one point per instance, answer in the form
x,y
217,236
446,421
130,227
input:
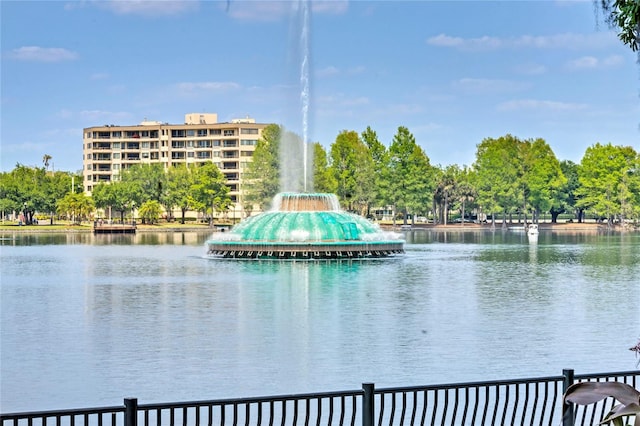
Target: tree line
x,y
147,188
509,176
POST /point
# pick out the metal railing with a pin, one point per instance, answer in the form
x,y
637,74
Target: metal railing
x,y
532,401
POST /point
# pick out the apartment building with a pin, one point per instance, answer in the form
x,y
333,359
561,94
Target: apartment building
x,y
110,149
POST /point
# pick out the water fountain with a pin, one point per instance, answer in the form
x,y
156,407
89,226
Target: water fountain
x,y
306,226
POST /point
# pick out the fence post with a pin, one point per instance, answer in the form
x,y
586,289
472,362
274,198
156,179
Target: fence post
x,y
368,404
131,412
567,410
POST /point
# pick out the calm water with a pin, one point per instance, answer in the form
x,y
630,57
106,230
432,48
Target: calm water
x,y
88,320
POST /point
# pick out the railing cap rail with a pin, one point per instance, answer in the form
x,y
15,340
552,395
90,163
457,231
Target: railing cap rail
x,y
62,413
254,399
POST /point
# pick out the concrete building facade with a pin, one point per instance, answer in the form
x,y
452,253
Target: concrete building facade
x,y
110,149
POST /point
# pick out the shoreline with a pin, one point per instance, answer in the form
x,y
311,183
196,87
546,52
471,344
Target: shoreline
x,y
454,227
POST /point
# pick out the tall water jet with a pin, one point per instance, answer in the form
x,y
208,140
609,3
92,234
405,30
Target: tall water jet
x,y
304,83
306,226
295,159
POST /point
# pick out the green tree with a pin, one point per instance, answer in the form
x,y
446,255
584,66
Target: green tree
x,y
609,181
543,179
179,181
150,211
567,191
209,191
445,192
114,196
624,15
411,177
145,182
323,180
380,157
77,207
498,168
352,167
262,179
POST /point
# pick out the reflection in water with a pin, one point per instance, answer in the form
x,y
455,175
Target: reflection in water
x,y
141,238
87,321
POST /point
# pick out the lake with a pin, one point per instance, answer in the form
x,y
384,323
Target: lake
x,y
88,320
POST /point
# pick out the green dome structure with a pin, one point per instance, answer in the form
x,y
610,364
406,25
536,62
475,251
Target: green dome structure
x,y
306,226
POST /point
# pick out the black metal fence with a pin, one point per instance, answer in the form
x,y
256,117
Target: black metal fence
x,y
532,401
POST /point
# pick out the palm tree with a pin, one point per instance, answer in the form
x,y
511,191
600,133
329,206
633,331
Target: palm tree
x,y
45,161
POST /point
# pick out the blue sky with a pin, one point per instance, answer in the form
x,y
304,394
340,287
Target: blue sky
x,y
452,72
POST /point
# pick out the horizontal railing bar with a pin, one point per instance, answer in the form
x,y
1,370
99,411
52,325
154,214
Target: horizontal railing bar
x,y
605,375
464,385
62,413
252,400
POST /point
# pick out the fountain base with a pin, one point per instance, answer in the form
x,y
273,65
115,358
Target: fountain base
x,y
305,227
303,251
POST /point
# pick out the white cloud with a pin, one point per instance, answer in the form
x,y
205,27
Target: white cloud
x,y
99,76
555,41
147,7
531,69
333,7
483,85
42,54
357,70
332,71
591,62
329,71
277,10
539,105
208,86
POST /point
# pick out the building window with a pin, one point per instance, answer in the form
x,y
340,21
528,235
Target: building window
x,y
232,143
249,142
116,134
249,131
87,135
145,155
202,132
191,133
155,155
216,142
215,132
145,145
178,133
229,132
177,144
204,144
115,145
203,154
246,153
190,154
116,155
154,134
116,167
88,146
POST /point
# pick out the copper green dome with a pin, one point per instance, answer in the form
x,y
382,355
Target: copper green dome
x,y
306,226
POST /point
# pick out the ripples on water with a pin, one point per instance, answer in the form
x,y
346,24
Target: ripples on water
x,y
88,320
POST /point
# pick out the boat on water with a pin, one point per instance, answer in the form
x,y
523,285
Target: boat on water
x,y
532,229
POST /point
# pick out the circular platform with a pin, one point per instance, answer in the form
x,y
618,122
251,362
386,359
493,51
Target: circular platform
x,y
306,226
